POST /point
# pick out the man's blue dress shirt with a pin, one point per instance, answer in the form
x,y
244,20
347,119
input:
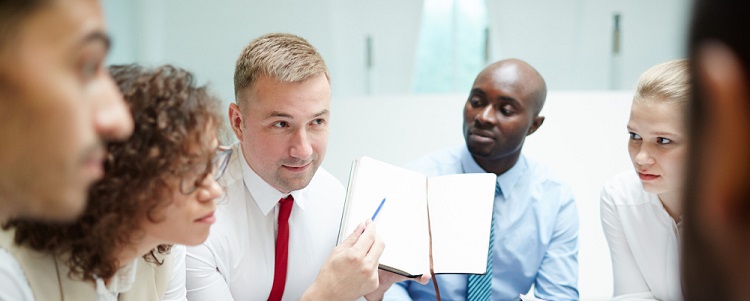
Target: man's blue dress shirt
x,y
536,233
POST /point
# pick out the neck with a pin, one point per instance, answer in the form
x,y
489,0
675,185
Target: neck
x,y
497,166
129,253
672,202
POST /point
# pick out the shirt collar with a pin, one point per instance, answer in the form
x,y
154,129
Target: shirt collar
x,y
505,181
120,282
265,195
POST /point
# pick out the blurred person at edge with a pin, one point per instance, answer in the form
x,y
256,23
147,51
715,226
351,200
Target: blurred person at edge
x,y
57,106
716,231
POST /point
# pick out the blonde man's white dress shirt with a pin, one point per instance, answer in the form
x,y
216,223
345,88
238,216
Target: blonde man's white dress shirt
x,y
644,241
237,260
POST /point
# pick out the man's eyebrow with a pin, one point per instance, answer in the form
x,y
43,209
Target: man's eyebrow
x,y
321,113
285,115
663,133
279,114
509,99
98,36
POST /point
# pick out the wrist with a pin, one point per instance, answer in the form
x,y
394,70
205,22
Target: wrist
x,y
318,292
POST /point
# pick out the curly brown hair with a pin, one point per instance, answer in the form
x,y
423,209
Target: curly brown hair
x,y
175,124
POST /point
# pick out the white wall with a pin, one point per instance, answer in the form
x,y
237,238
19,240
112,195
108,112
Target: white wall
x,y
206,37
570,42
121,19
394,28
583,139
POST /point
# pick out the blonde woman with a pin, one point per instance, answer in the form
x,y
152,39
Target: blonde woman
x,y
641,210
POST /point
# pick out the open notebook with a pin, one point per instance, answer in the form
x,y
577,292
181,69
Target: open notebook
x,y
459,208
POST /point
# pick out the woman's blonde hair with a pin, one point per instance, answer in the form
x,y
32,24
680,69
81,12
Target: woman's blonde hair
x,y
669,81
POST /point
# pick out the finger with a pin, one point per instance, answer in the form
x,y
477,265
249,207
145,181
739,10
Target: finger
x,y
354,237
375,250
424,279
365,241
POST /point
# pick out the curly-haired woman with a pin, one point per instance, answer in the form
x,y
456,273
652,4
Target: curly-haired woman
x,y
158,189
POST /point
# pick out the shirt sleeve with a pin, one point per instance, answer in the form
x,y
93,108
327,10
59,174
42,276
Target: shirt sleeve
x,y
557,278
204,279
628,280
176,287
13,284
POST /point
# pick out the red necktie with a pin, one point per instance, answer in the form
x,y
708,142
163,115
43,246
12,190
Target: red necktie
x,y
282,249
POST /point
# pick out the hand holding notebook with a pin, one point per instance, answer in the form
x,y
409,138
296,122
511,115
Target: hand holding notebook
x,y
447,218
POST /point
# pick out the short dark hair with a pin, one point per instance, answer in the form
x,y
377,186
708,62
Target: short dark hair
x,y
12,13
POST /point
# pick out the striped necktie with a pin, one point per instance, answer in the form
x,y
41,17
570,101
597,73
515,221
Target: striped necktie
x,y
480,286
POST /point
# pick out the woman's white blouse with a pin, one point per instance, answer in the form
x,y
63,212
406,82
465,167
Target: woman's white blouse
x,y
644,241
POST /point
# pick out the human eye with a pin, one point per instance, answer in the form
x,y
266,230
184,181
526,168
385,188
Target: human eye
x,y
663,141
89,70
634,136
506,110
91,63
193,176
280,124
318,121
475,101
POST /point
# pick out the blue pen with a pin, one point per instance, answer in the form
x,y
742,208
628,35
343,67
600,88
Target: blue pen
x,y
378,210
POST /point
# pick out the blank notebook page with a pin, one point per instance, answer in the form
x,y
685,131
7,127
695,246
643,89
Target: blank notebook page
x,y
402,221
460,216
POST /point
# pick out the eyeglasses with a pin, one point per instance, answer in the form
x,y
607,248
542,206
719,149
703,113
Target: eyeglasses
x,y
219,164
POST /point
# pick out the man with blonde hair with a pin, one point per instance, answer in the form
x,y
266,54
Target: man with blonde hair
x,y
278,223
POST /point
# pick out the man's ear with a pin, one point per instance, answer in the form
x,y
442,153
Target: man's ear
x,y
535,124
235,120
727,108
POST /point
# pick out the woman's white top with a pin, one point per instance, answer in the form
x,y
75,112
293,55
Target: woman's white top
x,y
644,241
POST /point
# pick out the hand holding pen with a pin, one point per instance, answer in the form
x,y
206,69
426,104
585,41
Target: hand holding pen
x,y
374,215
